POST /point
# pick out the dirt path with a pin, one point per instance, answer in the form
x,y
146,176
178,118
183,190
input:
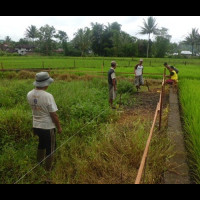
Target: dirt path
x,y
145,103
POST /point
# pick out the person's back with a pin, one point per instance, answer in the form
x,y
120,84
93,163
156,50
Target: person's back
x,y
45,119
174,75
42,103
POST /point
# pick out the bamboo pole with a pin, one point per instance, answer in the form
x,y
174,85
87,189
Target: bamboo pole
x,y
161,99
142,164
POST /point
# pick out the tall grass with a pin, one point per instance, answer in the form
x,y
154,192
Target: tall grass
x,y
80,103
96,149
112,156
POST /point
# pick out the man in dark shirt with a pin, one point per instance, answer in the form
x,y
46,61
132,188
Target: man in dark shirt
x,y
112,83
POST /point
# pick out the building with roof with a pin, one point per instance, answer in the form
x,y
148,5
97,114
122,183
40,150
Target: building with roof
x,y
186,53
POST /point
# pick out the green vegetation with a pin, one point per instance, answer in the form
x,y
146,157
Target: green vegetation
x,y
92,148
89,118
95,65
189,99
81,104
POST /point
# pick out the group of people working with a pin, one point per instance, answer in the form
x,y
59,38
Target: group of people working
x,y
44,108
138,71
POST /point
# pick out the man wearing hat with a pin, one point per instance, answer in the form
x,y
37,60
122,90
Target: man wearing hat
x,y
112,83
45,119
139,74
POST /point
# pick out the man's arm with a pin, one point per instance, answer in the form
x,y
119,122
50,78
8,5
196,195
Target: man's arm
x,y
114,83
55,119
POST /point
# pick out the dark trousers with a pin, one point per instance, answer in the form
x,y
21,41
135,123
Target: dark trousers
x,y
47,139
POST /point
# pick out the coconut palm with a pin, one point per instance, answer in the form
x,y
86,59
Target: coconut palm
x,y
31,32
149,27
192,38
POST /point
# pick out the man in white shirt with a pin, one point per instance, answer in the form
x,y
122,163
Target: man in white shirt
x,y
45,119
139,74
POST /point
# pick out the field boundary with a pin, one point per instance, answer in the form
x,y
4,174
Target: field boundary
x,y
178,173
74,71
158,111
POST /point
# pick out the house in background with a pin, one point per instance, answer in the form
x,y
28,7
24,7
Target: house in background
x,y
21,51
59,50
186,53
4,47
24,49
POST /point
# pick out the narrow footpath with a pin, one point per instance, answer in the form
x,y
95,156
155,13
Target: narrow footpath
x,y
179,172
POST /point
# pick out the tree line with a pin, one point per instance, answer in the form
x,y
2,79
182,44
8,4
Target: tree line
x,y
105,40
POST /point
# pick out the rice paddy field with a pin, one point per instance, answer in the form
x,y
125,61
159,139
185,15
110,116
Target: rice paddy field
x,y
190,104
81,93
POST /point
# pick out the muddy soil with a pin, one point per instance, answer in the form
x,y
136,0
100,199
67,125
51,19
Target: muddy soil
x,y
146,100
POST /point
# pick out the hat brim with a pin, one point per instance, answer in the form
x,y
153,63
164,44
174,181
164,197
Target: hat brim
x,y
43,83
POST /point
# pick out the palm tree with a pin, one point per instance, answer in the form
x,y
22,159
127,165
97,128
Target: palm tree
x,y
31,32
149,27
192,39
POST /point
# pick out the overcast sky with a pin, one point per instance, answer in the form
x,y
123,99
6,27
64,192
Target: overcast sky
x,y
178,26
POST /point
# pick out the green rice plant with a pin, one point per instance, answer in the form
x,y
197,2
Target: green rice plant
x,y
189,98
88,62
